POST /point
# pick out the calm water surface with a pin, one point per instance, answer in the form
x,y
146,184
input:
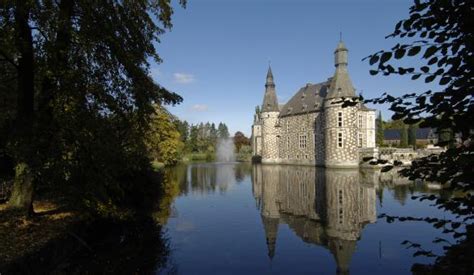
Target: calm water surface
x,y
228,218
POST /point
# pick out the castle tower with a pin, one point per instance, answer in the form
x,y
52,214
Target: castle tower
x,y
268,120
340,123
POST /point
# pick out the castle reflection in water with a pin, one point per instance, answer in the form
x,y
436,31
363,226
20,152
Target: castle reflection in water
x,y
327,207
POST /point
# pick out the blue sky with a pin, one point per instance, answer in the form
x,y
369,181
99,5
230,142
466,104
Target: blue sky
x,y
217,54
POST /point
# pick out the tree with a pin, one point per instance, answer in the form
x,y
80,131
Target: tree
x,y
380,130
163,139
412,129
403,137
439,33
193,138
183,129
84,94
240,140
223,131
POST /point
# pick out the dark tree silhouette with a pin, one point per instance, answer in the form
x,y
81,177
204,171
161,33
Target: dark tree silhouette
x,y
83,93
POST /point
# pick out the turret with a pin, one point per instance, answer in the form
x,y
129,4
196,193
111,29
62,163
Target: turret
x,y
269,119
340,123
270,102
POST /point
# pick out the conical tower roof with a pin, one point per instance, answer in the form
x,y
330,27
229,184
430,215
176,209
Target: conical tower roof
x,y
341,84
270,101
342,250
270,226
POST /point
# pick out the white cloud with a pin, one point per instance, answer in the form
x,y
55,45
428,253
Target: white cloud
x,y
199,108
183,78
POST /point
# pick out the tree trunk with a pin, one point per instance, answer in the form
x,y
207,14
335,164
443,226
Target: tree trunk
x,y
23,189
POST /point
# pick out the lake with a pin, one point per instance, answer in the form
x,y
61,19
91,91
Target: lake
x,y
238,218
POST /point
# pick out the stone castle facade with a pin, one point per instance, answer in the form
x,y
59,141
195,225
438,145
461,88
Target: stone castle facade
x,y
312,127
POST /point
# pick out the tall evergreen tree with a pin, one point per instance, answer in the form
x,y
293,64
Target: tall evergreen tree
x,y
193,138
404,137
380,129
223,131
412,129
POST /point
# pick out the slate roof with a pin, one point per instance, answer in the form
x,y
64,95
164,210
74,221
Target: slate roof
x,y
421,133
270,101
391,134
425,133
307,100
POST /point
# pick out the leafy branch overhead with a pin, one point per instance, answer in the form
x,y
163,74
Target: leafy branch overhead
x,y
440,34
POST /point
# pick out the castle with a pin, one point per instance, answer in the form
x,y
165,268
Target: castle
x,y
312,127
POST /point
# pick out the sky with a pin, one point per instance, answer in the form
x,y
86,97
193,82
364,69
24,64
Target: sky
x,y
217,54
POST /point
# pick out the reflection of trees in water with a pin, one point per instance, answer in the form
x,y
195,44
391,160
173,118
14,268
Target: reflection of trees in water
x,y
207,178
322,206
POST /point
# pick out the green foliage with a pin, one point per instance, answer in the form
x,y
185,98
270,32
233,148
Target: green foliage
x,y
245,154
222,131
240,140
403,137
78,98
163,140
412,135
203,139
379,124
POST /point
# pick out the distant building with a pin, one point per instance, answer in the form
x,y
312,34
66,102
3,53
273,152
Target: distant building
x,y
424,136
312,127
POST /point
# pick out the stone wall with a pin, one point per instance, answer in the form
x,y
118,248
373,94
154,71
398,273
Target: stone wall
x,y
366,126
257,139
346,155
300,141
312,138
270,136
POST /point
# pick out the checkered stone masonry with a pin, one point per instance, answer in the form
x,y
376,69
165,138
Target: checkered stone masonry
x,y
270,137
341,135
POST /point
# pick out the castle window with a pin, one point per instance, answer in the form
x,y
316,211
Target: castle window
x,y
306,156
302,141
288,142
339,119
360,139
339,140
287,125
360,121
